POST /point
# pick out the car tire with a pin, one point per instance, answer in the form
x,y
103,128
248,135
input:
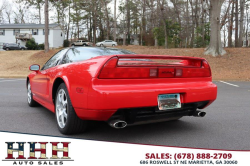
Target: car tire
x,y
7,49
72,45
30,100
101,45
113,45
70,123
22,49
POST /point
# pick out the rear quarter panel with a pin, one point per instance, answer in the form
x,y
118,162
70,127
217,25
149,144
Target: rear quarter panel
x,y
79,75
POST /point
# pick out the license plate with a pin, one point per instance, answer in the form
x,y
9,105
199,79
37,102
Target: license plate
x,y
169,101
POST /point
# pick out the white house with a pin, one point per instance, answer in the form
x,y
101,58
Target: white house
x,y
20,33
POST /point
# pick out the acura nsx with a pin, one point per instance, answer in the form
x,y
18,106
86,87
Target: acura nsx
x,y
83,84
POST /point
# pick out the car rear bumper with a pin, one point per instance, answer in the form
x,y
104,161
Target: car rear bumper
x,y
107,98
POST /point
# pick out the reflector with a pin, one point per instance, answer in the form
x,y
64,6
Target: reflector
x,y
153,73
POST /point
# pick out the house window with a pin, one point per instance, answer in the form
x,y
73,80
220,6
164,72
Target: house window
x,y
34,31
16,31
44,31
2,32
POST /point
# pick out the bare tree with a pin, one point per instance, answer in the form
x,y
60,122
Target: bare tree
x,y
230,29
34,3
107,17
242,8
69,19
8,12
46,13
128,20
236,24
2,8
20,15
115,20
215,47
163,8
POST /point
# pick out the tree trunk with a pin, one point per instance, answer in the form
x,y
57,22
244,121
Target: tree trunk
x,y
242,4
166,36
215,47
115,21
203,24
247,28
192,26
236,24
164,23
128,20
177,14
224,37
40,19
68,23
124,38
230,33
107,17
143,21
94,22
187,25
157,16
46,10
90,28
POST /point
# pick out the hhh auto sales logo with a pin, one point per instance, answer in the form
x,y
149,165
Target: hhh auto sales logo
x,y
38,156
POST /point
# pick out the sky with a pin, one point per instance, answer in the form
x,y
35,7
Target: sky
x,y
51,12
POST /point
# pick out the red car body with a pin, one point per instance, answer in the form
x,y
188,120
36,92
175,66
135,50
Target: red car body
x,y
103,88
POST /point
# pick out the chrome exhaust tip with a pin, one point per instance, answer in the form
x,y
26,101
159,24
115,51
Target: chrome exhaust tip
x,y
118,124
199,114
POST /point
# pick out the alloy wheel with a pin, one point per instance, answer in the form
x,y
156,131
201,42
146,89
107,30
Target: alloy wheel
x,y
29,93
61,108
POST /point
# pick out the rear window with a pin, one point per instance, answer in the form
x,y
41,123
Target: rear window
x,y
84,53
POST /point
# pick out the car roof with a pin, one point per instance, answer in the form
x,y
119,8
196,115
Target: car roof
x,y
103,49
10,43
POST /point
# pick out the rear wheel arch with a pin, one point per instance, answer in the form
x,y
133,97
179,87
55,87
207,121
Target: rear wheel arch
x,y
27,80
55,86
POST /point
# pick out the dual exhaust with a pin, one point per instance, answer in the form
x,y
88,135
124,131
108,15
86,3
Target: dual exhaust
x,y
120,124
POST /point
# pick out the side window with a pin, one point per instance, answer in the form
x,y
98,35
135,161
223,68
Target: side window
x,y
2,32
54,60
73,55
34,31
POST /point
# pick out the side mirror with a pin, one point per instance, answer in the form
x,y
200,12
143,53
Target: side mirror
x,y
35,68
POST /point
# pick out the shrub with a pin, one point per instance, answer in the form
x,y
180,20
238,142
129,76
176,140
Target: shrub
x,y
31,44
66,43
40,46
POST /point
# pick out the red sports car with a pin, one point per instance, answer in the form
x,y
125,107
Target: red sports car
x,y
83,84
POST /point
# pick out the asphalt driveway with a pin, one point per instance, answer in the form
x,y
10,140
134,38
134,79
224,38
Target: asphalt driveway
x,y
226,125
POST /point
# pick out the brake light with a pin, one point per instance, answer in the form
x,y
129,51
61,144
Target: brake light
x,y
114,70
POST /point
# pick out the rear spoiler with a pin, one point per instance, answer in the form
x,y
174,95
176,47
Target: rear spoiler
x,y
154,66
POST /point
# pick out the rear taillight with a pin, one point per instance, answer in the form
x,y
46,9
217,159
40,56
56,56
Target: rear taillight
x,y
202,71
112,69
